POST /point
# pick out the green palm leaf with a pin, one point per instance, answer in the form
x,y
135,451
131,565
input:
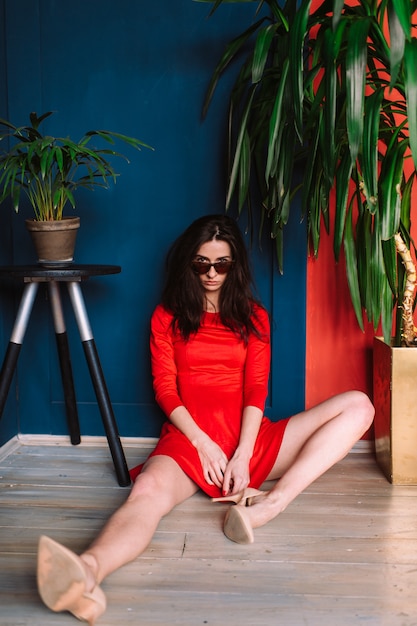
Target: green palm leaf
x,y
355,83
390,264
239,146
369,157
387,307
343,176
397,43
337,11
352,268
296,58
406,206
390,181
244,170
275,122
330,105
377,277
410,59
261,51
402,9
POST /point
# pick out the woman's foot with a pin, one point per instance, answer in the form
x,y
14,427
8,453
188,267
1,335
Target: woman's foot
x,y
251,513
64,583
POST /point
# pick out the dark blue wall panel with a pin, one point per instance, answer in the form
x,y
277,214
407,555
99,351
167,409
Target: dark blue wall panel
x,y
9,423
141,69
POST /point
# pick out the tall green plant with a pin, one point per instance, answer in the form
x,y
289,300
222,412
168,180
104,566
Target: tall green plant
x,y
323,97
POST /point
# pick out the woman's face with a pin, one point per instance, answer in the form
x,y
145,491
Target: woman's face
x,y
214,251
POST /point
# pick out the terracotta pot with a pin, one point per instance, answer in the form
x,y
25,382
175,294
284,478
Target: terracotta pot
x,y
395,400
54,241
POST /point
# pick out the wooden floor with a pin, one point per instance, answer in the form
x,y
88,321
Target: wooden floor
x,y
345,552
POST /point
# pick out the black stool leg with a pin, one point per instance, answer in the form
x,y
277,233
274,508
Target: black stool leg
x,y
16,340
65,363
99,384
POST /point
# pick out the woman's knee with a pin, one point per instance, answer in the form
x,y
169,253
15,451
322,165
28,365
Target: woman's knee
x,y
148,493
362,409
146,484
163,483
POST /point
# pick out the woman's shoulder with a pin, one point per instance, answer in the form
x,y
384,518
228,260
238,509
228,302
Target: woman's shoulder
x,y
259,311
260,319
161,316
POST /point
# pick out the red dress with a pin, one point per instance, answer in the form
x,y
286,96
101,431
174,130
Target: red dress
x,y
214,375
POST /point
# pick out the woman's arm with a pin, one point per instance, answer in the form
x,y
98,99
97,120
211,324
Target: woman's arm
x,y
255,392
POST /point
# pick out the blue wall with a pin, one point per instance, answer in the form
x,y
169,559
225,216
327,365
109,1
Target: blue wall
x,y
140,69
9,422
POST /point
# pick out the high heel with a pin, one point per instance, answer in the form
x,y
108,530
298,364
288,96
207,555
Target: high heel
x,y
237,526
62,583
243,498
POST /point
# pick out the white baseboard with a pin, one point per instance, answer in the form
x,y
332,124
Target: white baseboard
x,y
9,447
86,440
363,446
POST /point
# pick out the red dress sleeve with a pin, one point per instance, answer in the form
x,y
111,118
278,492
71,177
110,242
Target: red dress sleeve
x,y
164,370
257,364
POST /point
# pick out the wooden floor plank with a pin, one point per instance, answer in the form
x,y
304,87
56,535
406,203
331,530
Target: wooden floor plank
x,y
345,552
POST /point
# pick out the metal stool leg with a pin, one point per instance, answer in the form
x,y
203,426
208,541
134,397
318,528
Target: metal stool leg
x,y
99,384
16,340
64,363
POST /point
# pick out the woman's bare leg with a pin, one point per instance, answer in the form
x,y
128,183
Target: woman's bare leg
x,y
314,441
161,486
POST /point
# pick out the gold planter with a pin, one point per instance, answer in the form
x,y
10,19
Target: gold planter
x,y
395,400
54,241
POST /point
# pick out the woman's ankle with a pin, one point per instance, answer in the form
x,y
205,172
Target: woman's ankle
x,y
92,570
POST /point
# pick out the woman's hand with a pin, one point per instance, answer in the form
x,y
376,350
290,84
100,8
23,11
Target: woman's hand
x,y
213,461
236,477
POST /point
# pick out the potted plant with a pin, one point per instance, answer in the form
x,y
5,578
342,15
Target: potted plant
x,y
48,170
323,101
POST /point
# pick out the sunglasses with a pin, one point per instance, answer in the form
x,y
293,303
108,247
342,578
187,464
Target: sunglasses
x,y
202,267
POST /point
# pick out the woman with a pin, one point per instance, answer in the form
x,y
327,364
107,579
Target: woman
x,y
210,363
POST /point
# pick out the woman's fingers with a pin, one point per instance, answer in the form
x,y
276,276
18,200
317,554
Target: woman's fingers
x,y
216,477
236,477
216,472
214,463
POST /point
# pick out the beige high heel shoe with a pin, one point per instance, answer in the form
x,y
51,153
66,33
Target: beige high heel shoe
x,y
243,498
62,583
237,526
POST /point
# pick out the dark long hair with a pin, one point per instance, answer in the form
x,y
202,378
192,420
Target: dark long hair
x,y
184,295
